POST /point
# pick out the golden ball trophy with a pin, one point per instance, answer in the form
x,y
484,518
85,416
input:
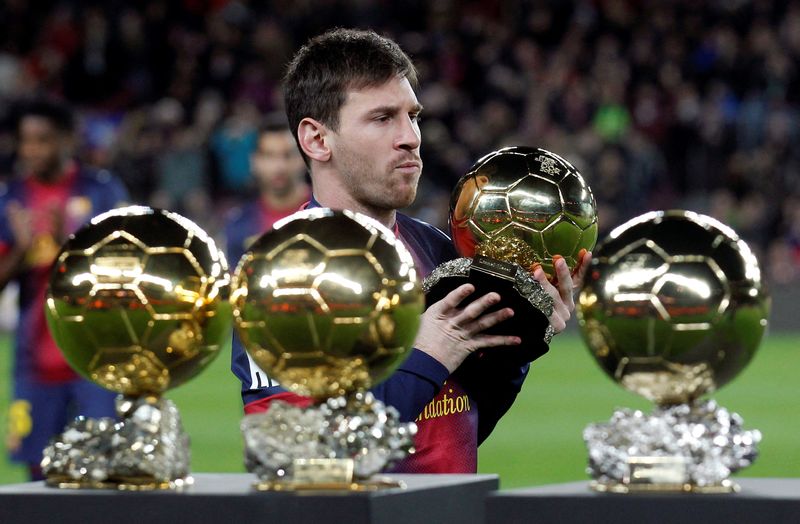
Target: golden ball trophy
x,y
328,303
515,208
138,303
674,307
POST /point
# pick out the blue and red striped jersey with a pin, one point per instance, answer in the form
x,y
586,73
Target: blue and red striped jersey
x,y
56,210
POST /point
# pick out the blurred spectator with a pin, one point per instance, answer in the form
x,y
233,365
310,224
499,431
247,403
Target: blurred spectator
x,y
181,165
281,187
232,144
51,196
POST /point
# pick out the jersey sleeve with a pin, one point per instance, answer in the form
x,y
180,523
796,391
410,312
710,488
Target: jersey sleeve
x,y
415,383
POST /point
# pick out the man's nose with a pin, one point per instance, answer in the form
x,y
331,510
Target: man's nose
x,y
409,136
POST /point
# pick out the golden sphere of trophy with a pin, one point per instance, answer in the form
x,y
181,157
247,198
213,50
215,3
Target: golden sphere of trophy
x,y
673,307
138,303
138,300
523,205
328,302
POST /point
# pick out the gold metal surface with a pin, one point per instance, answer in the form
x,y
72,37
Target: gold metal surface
x,y
138,300
328,302
371,484
674,305
523,205
726,486
122,484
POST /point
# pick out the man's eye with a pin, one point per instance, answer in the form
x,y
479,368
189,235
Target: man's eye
x,y
415,117
383,118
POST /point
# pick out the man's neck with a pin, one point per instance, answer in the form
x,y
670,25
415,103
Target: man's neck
x,y
328,192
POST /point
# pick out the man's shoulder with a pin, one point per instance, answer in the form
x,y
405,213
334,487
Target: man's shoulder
x,y
422,237
421,227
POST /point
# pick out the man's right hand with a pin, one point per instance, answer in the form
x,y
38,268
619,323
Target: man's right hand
x,y
449,333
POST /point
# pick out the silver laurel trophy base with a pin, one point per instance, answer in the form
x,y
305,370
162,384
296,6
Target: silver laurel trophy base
x,y
516,286
339,444
685,447
147,450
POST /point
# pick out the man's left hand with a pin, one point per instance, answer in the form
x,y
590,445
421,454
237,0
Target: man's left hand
x,y
563,286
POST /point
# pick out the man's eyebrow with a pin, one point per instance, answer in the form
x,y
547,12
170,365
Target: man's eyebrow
x,y
391,109
384,110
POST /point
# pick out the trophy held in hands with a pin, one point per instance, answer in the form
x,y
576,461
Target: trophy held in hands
x,y
138,304
674,307
328,303
516,208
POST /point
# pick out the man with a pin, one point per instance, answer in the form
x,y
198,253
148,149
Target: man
x,y
280,179
52,198
352,107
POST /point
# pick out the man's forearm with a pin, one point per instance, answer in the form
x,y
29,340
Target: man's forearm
x,y
413,385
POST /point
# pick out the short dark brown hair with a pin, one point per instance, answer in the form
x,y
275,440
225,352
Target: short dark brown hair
x,y
330,64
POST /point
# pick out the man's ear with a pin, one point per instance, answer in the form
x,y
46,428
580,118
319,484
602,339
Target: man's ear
x,y
311,135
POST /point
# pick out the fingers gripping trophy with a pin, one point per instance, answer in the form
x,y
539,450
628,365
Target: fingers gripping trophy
x,y
674,308
138,304
517,209
328,303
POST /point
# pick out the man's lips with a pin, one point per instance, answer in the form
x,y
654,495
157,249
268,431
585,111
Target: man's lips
x,y
410,165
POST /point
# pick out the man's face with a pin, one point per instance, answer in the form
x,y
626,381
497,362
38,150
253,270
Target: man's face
x,y
276,162
376,149
42,146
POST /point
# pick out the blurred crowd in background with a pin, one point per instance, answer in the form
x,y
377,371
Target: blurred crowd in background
x,y
673,104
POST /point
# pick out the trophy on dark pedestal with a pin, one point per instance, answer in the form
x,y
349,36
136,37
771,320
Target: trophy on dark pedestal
x,y
138,304
328,303
674,307
516,207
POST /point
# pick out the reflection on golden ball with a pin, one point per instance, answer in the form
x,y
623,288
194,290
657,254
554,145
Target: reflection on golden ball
x,y
523,205
138,300
328,302
673,306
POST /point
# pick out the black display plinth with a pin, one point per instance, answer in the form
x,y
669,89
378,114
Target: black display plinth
x,y
229,498
760,500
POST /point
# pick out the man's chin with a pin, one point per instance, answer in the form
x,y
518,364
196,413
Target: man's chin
x,y
405,200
